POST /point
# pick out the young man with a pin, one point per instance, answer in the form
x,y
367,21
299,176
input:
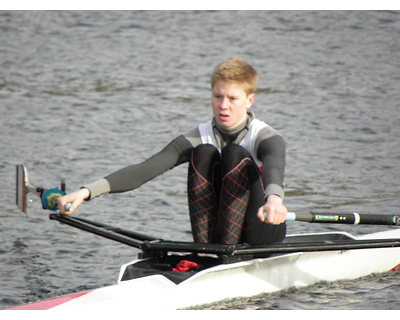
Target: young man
x,y
236,167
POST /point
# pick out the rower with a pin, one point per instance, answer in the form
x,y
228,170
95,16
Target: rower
x,y
236,167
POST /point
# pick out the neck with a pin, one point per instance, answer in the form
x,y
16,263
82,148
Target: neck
x,y
234,130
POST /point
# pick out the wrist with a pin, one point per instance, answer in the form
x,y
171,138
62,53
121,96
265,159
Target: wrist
x,y
85,193
273,198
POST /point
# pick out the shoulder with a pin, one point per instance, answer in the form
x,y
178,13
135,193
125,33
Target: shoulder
x,y
193,137
268,132
268,136
263,129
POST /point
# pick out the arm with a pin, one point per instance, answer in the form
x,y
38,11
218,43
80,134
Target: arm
x,y
272,151
131,177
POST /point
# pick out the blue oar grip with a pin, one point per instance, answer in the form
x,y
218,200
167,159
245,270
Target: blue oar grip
x,y
290,216
67,206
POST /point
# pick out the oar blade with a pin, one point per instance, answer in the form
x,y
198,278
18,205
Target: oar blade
x,y
21,193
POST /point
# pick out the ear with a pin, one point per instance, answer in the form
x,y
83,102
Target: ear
x,y
250,100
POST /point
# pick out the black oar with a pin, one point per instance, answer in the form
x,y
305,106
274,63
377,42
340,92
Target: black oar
x,y
151,244
102,230
344,218
243,249
128,233
333,245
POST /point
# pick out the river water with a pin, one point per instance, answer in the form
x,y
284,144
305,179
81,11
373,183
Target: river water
x,y
84,93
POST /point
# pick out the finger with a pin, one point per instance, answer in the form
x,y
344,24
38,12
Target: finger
x,y
62,204
275,218
70,211
269,217
279,217
260,214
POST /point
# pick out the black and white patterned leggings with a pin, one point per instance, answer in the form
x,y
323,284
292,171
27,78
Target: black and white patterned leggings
x,y
225,191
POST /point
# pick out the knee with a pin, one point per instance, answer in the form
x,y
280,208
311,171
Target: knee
x,y
205,154
205,149
232,155
236,150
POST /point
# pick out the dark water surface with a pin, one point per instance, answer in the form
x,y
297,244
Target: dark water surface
x,y
84,93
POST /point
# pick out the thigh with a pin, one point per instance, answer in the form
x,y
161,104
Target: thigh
x,y
203,194
254,230
206,161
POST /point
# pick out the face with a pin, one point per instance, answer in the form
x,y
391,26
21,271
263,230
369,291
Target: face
x,y
230,103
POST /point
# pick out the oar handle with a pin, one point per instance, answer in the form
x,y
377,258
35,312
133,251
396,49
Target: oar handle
x,y
290,216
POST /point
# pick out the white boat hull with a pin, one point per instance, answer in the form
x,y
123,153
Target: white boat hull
x,y
241,279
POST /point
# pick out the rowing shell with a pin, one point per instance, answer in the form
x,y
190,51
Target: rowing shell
x,y
239,279
222,271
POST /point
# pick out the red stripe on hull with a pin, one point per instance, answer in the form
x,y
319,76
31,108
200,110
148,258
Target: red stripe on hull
x,y
395,268
48,304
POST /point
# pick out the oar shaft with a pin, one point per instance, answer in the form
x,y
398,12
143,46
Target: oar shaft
x,y
344,218
90,227
321,246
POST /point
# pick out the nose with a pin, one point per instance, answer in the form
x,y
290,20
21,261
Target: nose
x,y
224,103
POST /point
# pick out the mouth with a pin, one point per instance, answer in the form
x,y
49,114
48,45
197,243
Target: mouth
x,y
223,116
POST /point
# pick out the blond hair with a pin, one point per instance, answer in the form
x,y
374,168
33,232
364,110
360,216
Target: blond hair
x,y
236,70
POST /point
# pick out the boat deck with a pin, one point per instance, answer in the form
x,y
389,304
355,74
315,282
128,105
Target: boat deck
x,y
163,262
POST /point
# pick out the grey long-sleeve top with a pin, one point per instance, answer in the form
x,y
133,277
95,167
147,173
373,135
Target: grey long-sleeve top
x,y
269,146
